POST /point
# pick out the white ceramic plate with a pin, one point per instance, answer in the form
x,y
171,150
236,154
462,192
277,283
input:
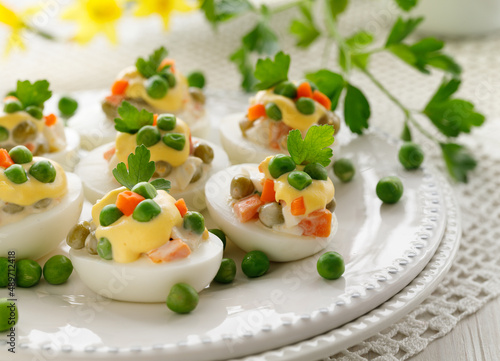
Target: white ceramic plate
x,y
385,248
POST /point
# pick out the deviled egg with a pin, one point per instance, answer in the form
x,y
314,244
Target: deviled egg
x,y
143,234
283,206
23,122
279,107
185,161
39,203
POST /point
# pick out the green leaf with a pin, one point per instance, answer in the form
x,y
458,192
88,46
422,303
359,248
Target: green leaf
x,y
403,52
356,110
261,39
360,60
329,83
270,72
148,68
343,60
359,40
336,7
427,45
406,133
444,62
131,119
140,169
406,5
458,160
447,88
222,10
314,147
241,59
33,94
305,30
401,29
161,184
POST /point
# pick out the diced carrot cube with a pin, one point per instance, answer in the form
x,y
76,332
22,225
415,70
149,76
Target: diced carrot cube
x,y
127,201
119,87
322,99
30,146
165,62
155,119
170,251
298,207
304,90
50,120
115,99
318,223
256,111
5,159
181,206
109,153
247,208
268,193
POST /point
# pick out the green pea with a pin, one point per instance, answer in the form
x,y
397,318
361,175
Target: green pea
x,y
219,234
255,264
35,112
109,215
411,155
281,164
145,189
226,272
170,78
57,269
330,265
287,89
156,87
316,171
28,273
196,79
299,180
194,222
4,134
7,307
273,111
20,154
344,169
104,249
16,174
4,272
43,171
389,189
176,141
305,105
182,298
146,211
12,106
67,106
148,135
166,121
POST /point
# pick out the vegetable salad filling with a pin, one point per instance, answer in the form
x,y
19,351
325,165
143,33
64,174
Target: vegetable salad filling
x,y
140,219
23,121
155,84
282,105
28,184
169,141
291,194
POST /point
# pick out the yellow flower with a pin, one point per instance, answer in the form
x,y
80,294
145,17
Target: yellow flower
x,y
162,7
11,19
94,17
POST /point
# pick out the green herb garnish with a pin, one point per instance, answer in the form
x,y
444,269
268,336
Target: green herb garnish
x,y
149,67
271,72
35,94
132,119
314,147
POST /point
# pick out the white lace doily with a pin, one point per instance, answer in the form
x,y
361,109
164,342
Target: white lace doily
x,y
475,277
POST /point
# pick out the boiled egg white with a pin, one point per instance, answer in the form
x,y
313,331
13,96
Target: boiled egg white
x,y
145,281
253,235
68,157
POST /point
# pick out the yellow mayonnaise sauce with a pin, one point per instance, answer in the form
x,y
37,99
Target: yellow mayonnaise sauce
x,y
316,196
175,99
10,121
32,191
130,238
291,116
126,144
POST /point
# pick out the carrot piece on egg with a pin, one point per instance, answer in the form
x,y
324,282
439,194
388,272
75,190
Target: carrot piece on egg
x,y
50,120
247,208
5,159
127,201
181,206
155,119
322,99
170,251
119,87
304,90
268,193
317,223
298,207
109,153
165,62
256,111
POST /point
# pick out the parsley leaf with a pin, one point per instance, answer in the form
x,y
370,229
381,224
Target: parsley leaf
x,y
452,116
336,7
406,5
148,68
33,94
356,110
140,169
406,133
261,39
241,58
329,83
271,72
161,184
314,147
131,119
221,10
401,29
305,30
359,40
458,160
